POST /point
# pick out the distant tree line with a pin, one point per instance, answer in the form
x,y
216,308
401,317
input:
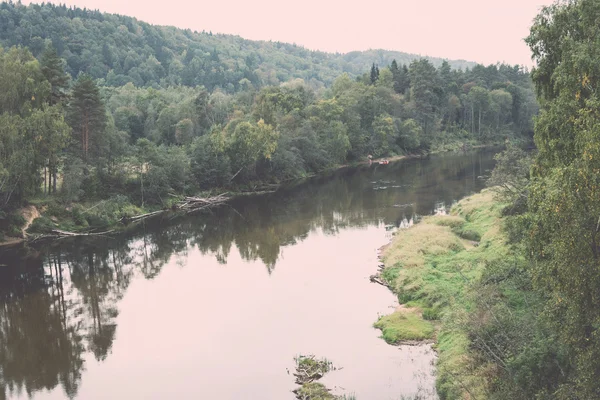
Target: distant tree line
x,y
120,49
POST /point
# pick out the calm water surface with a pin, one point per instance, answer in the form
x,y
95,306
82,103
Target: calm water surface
x,y
217,305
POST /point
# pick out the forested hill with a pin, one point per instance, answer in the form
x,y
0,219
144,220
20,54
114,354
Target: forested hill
x,y
122,49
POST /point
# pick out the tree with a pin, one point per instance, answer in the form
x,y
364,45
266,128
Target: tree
x,y
562,224
53,70
374,74
249,143
32,133
87,115
501,105
425,88
52,133
479,99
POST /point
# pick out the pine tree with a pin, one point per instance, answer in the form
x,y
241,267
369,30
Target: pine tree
x,y
87,114
54,71
374,74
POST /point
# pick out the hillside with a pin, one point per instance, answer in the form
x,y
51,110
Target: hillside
x,y
121,49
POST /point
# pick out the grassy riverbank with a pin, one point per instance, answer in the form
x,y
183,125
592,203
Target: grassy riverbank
x,y
434,267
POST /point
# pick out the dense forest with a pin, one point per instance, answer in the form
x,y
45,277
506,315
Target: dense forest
x,y
72,134
120,49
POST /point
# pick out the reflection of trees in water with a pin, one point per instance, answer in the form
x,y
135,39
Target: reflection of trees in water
x,y
57,305
39,348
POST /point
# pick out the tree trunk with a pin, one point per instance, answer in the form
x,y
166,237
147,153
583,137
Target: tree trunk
x,y
45,179
142,182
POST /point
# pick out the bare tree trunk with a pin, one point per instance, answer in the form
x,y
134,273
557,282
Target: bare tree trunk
x,y
45,179
142,182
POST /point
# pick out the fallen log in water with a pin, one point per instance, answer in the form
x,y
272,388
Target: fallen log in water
x,y
187,204
142,216
60,233
377,279
196,203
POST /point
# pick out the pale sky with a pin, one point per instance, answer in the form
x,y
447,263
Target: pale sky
x,y
485,31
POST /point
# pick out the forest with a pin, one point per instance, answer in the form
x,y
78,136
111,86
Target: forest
x,y
72,134
119,49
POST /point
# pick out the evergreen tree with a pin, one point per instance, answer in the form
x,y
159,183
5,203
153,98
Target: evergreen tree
x,y
87,114
53,69
374,74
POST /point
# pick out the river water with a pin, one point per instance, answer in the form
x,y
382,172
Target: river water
x,y
217,305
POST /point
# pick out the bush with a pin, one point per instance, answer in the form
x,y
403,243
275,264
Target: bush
x,y
110,211
56,210
468,234
78,216
41,225
16,220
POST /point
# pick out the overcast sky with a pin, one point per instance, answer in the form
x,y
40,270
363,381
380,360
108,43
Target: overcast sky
x,y
486,31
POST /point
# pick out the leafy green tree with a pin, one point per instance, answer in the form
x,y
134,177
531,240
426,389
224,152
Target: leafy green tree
x,y
210,165
479,98
32,134
501,105
562,224
249,143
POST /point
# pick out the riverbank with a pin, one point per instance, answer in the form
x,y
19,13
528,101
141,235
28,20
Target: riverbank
x,y
433,268
109,214
45,215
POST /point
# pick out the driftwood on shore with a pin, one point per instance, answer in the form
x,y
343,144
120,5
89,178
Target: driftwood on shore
x,y
198,203
58,234
186,204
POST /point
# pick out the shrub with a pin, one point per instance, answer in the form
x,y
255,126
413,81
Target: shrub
x,y
41,225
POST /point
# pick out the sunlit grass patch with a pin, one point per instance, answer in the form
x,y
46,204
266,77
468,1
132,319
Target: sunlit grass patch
x,y
314,391
411,246
404,325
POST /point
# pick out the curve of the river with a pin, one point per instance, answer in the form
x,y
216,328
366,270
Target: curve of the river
x,y
217,305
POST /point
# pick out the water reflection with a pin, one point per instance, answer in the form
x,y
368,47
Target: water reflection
x,y
59,303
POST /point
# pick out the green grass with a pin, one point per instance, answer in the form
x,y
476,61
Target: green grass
x,y
404,326
431,267
314,391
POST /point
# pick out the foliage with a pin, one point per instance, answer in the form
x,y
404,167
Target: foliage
x,y
510,177
121,50
154,111
560,228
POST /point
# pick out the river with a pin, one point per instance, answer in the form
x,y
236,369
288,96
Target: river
x,y
217,305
